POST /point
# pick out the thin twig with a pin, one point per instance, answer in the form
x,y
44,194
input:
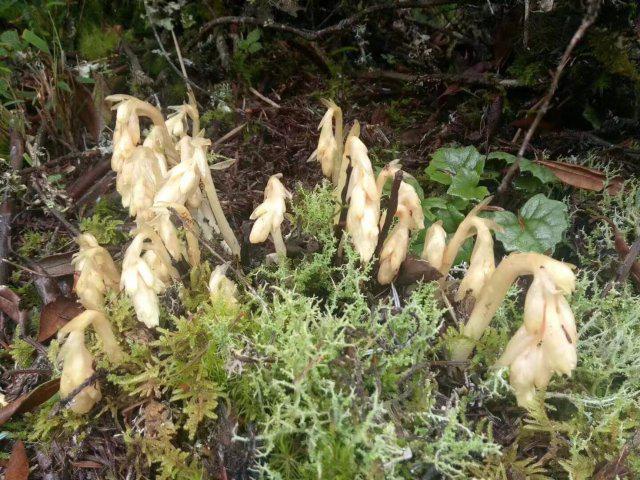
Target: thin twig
x,y
485,79
312,35
22,267
590,17
227,136
64,402
263,98
391,211
165,54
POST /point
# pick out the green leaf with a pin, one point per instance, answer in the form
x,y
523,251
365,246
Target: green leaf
x,y
541,172
253,36
447,162
11,39
36,41
62,85
464,184
539,227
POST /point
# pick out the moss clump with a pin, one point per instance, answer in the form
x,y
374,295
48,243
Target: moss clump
x,y
95,42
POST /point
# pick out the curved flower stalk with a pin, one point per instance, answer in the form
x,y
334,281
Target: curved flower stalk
x,y
127,130
482,263
220,287
329,149
158,217
177,123
97,272
269,215
139,179
435,243
494,291
140,281
364,201
545,344
77,361
200,158
396,246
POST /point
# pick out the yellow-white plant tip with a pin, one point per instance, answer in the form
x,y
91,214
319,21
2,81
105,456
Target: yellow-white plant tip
x,y
77,366
142,283
364,201
139,179
482,263
393,254
435,242
97,272
327,151
409,204
341,173
269,214
221,287
77,362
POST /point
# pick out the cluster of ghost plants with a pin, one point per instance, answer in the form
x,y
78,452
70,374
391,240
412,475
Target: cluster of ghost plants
x,y
166,175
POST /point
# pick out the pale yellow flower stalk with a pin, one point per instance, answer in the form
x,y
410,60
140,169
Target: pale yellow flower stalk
x,y
142,283
364,201
329,150
482,263
396,246
464,230
153,140
127,129
494,291
97,272
435,243
220,287
77,361
269,215
545,344
183,181
177,123
139,179
349,143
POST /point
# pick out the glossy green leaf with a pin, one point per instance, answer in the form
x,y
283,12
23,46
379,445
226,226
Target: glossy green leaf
x,y
540,172
447,162
464,185
539,226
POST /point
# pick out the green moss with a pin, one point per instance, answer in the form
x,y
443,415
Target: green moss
x,y
95,43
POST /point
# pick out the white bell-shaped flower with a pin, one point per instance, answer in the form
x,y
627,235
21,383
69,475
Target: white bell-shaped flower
x,y
269,215
220,287
435,242
142,283
396,246
77,361
96,270
364,201
139,180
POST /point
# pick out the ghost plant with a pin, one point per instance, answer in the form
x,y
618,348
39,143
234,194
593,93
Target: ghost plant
x,y
394,250
220,287
139,179
269,215
329,149
77,361
482,261
546,343
435,243
145,276
96,270
364,200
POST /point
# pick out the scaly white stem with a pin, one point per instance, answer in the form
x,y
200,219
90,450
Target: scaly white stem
x,y
278,241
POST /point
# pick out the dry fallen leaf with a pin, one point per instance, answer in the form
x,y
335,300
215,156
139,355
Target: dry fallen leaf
x,y
18,465
414,270
55,315
10,305
582,177
31,400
